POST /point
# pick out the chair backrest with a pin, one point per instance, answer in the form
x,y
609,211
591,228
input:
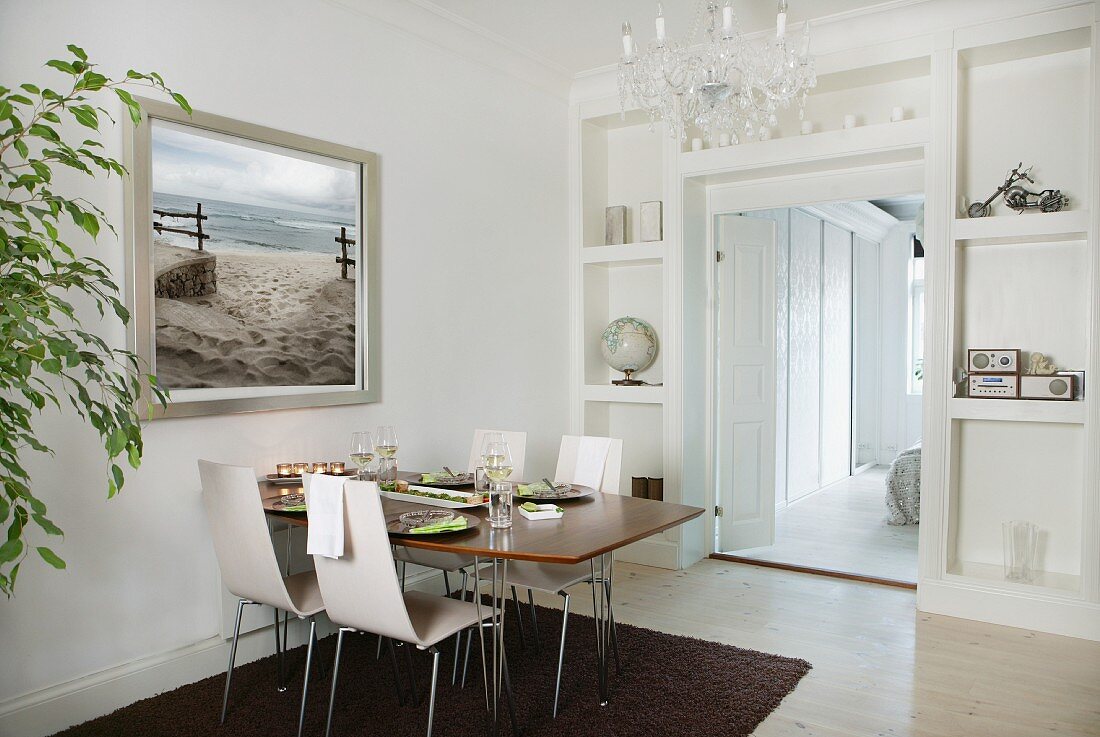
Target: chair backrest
x,y
567,463
242,542
360,588
517,444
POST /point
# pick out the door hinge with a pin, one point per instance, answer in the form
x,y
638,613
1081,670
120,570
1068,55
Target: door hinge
x,y
719,255
718,511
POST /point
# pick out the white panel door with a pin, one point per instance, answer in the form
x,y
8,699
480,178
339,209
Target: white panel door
x,y
746,382
836,355
804,350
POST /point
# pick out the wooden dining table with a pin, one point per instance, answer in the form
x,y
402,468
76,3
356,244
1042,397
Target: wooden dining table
x,y
592,528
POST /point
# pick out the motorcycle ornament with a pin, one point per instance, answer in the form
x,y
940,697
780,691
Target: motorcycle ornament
x,y
1018,197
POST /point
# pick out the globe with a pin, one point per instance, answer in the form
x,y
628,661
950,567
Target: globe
x,y
629,344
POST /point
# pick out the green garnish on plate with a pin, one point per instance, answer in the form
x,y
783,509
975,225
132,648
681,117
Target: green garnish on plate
x,y
458,523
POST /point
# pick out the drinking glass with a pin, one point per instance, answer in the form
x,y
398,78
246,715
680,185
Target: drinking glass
x,y
387,474
500,504
1020,540
385,441
362,451
497,460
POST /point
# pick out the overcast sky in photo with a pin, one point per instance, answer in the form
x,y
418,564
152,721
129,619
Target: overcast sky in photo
x,y
201,165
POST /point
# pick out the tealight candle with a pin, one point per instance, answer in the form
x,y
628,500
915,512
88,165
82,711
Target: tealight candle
x,y
300,468
807,127
284,469
320,467
897,114
696,144
849,121
723,139
336,467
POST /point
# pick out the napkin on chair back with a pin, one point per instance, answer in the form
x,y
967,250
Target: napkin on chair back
x,y
325,512
591,460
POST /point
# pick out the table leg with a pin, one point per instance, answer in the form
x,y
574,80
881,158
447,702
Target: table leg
x,y
498,664
601,592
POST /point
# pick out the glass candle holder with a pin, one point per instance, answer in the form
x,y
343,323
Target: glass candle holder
x,y
320,467
300,468
336,467
284,469
1020,543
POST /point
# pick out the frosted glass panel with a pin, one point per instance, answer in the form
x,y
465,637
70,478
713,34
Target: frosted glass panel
x,y
836,355
804,388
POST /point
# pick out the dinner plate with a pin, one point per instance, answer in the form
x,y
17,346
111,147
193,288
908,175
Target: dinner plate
x,y
574,492
396,527
433,502
289,500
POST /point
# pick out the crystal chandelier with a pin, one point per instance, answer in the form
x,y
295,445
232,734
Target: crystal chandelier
x,y
728,83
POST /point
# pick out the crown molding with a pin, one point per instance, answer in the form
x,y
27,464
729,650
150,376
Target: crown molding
x,y
862,218
442,29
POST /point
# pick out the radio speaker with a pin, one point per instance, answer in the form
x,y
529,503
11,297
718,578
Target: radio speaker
x,y
1057,386
997,361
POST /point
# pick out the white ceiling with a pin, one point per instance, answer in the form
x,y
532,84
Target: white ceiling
x,y
576,35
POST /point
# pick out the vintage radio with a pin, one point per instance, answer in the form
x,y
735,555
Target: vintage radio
x,y
993,386
995,361
1055,386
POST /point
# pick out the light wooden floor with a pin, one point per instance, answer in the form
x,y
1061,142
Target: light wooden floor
x,y
843,528
880,667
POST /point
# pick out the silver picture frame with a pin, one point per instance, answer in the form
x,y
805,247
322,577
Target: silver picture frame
x,y
139,276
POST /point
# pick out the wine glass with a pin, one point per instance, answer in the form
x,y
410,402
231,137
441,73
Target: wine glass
x,y
490,438
385,441
362,451
497,460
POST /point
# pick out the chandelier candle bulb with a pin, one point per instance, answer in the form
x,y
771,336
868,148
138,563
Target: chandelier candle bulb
x,y
628,43
781,20
727,19
660,25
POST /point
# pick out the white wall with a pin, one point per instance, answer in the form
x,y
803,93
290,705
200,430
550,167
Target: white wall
x,y
473,182
900,411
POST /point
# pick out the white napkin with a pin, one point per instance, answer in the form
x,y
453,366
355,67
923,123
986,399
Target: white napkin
x,y
591,460
325,512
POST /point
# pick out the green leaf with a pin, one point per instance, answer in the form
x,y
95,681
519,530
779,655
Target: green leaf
x,y
131,105
51,557
77,52
21,147
116,442
33,89
182,102
62,66
117,477
6,110
10,550
49,527
91,224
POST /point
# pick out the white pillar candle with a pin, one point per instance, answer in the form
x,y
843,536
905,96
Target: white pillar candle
x,y
807,127
696,144
727,19
660,25
897,114
765,134
849,121
781,25
628,42
723,139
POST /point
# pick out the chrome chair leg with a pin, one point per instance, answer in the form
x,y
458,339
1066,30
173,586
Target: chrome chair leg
x,y
534,620
400,687
319,663
519,620
466,659
305,680
561,649
458,656
280,652
435,677
412,674
447,584
335,673
232,657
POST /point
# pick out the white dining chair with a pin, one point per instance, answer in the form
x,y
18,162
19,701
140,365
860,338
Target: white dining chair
x,y
517,445
363,594
555,578
248,564
451,562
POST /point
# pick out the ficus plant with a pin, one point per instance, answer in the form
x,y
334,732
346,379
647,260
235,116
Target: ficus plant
x,y
48,360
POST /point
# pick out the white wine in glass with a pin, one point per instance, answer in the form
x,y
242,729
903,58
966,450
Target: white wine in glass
x,y
385,441
362,450
497,461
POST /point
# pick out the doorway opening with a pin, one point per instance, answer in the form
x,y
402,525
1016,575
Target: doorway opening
x,y
819,353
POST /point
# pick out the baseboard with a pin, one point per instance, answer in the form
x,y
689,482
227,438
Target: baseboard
x,y
654,551
1073,618
58,707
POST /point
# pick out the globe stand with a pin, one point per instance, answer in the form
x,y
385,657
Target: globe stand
x,y
627,381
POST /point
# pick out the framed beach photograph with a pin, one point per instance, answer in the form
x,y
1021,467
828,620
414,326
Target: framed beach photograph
x,y
250,264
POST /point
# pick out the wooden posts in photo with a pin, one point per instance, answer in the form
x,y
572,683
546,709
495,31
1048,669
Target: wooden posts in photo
x,y
196,215
343,259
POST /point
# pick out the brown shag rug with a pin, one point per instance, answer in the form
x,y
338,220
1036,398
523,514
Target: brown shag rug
x,y
670,685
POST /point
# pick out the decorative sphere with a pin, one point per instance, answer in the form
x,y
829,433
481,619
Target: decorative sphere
x,y
629,344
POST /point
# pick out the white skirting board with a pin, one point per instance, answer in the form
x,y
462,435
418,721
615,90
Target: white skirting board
x,y
58,707
1070,617
653,551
